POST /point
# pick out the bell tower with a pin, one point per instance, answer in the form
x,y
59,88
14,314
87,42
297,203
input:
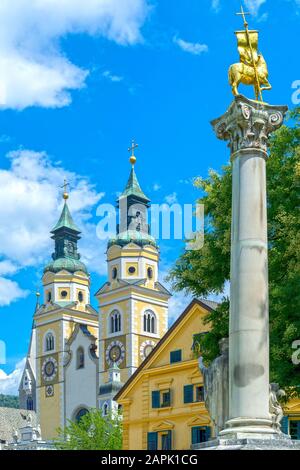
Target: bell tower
x,y
64,314
133,304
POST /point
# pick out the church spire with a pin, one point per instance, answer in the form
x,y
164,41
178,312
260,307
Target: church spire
x,y
133,205
65,235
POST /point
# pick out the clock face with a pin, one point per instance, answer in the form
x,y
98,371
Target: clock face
x,y
115,353
49,369
146,348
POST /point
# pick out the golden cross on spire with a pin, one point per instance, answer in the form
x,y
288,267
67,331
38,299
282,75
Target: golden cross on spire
x,y
132,149
65,188
243,14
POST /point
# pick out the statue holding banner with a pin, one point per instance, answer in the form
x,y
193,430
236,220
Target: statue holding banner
x,y
252,68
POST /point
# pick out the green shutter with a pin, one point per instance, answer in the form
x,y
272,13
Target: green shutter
x,y
285,425
175,356
152,441
155,399
188,393
167,441
195,435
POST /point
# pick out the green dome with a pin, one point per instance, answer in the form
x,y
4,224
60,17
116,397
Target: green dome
x,y
68,264
132,236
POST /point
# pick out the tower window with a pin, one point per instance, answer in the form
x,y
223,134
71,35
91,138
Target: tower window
x,y
150,273
29,403
115,321
105,409
80,358
80,296
49,296
49,342
80,413
131,270
149,322
64,294
114,273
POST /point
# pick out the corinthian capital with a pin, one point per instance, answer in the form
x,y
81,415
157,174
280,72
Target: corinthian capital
x,y
248,124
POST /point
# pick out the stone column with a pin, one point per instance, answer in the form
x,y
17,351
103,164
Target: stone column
x,y
247,125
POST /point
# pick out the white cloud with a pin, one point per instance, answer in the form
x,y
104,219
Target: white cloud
x,y
192,47
254,5
112,77
34,71
10,292
30,206
9,383
171,198
215,4
156,187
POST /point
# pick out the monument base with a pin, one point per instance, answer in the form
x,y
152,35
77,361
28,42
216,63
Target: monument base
x,y
278,442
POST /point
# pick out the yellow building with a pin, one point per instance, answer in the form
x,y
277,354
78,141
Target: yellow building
x,y
133,304
162,402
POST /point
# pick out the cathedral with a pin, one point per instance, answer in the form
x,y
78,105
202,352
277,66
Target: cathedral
x,y
79,357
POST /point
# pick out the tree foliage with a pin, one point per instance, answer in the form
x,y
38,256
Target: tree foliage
x,y
206,271
92,432
9,401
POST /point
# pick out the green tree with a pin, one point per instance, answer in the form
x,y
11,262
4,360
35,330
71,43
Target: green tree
x,y
206,271
92,432
9,401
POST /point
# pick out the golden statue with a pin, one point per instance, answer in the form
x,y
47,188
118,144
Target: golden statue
x,y
252,68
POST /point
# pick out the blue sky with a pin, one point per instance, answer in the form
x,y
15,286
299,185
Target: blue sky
x,y
79,80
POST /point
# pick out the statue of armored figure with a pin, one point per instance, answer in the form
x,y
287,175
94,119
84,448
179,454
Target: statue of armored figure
x,y
275,408
216,386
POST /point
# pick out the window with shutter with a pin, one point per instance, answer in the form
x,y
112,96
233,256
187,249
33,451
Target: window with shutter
x,y
152,440
200,434
166,440
175,356
188,392
155,399
166,398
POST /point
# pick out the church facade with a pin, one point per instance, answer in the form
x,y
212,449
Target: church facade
x,y
79,357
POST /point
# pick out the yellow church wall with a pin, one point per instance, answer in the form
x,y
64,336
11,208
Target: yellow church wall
x,y
50,415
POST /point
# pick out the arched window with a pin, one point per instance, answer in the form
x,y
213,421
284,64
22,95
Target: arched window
x,y
80,413
29,403
49,342
115,321
105,409
149,322
80,296
80,358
